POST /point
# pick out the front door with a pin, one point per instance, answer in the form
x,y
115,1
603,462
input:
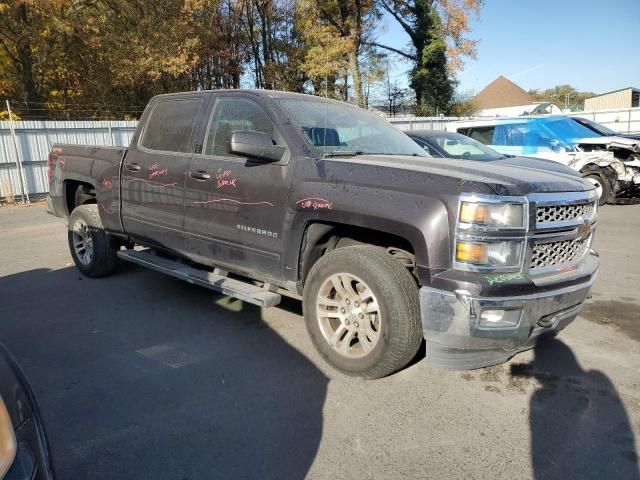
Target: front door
x,y
235,206
153,173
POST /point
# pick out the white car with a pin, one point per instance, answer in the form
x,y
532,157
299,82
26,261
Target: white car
x,y
611,163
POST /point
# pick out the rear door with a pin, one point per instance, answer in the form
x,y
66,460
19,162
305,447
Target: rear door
x,y
153,173
235,205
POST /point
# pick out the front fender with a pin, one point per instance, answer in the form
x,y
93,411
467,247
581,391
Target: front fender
x,y
422,221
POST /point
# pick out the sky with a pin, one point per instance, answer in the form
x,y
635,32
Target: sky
x,y
591,45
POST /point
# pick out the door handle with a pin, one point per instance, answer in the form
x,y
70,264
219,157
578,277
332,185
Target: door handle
x,y
134,167
200,175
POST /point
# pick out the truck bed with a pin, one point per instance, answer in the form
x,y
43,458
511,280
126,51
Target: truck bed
x,y
92,165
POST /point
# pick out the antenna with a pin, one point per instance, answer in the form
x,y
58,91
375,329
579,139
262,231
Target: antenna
x,y
326,101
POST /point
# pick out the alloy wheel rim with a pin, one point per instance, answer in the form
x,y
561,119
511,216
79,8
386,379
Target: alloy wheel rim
x,y
82,242
348,315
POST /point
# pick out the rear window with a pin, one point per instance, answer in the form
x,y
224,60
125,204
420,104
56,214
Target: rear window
x,y
482,134
170,125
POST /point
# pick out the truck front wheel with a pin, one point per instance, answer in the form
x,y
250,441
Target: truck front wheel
x,y
601,183
362,311
91,248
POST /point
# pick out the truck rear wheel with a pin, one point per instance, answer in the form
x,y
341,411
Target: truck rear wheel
x,y
91,248
362,311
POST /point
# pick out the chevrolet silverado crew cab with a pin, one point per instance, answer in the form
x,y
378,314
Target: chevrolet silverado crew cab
x,y
259,194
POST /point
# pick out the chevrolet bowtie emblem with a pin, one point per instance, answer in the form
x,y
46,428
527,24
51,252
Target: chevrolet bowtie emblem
x,y
584,230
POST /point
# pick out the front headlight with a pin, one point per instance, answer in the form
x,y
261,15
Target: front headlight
x,y
490,233
506,253
506,215
8,446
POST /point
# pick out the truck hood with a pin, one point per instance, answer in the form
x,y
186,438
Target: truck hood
x,y
538,163
512,176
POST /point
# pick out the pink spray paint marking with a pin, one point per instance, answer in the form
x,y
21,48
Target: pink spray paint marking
x,y
224,179
106,183
239,202
105,208
315,203
158,173
151,184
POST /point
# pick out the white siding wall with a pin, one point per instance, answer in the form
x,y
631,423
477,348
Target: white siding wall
x,y
34,140
609,101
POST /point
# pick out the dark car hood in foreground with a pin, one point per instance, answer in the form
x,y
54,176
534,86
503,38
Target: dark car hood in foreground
x,y
32,460
509,176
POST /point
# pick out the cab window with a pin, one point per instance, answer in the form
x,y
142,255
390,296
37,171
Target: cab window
x,y
230,115
170,125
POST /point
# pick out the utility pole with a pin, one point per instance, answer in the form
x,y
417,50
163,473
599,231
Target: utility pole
x,y
23,187
567,96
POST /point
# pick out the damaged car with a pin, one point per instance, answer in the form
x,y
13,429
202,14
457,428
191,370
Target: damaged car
x,y
602,130
441,144
610,163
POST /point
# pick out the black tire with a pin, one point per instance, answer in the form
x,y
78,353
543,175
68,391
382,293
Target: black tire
x,y
598,179
396,291
103,259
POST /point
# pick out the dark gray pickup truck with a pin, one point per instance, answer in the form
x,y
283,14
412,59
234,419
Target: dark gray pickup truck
x,y
259,194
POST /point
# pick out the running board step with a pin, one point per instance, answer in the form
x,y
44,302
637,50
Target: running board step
x,y
245,291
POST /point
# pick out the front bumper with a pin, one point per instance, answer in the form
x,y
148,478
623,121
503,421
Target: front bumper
x,y
456,341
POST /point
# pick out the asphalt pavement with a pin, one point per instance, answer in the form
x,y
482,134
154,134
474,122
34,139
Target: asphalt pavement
x,y
141,376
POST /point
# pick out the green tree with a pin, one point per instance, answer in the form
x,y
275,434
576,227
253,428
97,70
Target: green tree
x,y
437,30
430,78
565,96
463,105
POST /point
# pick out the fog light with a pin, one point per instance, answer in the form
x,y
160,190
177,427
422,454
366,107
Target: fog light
x,y
498,318
8,445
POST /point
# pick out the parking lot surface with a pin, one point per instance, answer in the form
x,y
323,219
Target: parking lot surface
x,y
139,375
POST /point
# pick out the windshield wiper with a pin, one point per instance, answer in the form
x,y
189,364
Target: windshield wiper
x,y
343,153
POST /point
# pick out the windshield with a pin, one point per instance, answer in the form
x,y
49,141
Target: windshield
x,y
344,130
535,134
565,130
459,146
596,127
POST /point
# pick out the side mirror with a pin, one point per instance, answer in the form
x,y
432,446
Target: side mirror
x,y
256,144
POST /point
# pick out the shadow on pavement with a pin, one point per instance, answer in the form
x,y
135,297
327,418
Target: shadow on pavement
x,y
579,426
141,376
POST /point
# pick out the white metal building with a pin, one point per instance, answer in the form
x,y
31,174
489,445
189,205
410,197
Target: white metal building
x,y
624,98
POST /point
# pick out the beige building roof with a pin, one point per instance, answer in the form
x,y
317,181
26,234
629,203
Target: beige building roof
x,y
502,92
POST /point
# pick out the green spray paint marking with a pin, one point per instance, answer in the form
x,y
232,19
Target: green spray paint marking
x,y
500,279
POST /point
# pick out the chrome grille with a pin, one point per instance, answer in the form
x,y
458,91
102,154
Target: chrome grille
x,y
558,253
562,213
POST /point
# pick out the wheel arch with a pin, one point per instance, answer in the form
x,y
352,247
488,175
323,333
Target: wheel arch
x,y
78,191
320,237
